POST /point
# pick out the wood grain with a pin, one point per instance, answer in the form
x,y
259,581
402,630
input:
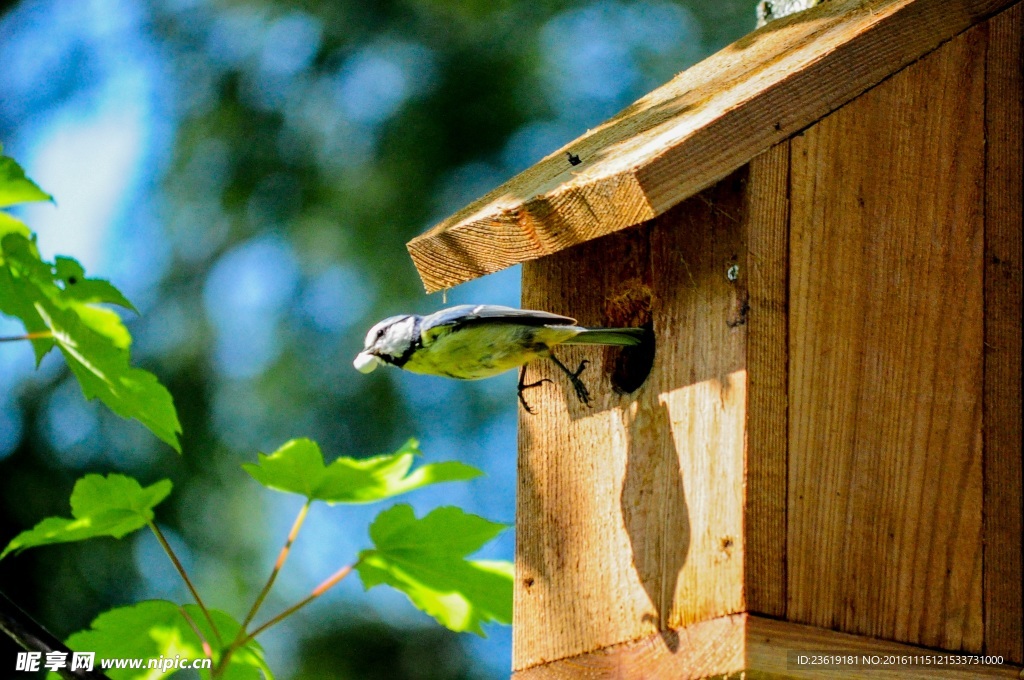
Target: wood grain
x,y
706,649
770,643
629,513
885,380
751,647
1003,526
767,228
691,132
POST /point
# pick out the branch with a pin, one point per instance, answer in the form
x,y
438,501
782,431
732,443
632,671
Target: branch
x,y
244,638
28,336
207,649
277,568
317,592
188,582
32,637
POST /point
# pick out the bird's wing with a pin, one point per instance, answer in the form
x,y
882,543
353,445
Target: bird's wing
x,y
449,319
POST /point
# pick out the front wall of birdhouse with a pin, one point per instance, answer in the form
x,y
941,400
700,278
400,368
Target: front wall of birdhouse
x,y
630,511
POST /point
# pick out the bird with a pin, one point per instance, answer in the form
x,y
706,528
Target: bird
x,y
470,342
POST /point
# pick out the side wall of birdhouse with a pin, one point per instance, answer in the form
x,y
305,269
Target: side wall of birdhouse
x,y
904,459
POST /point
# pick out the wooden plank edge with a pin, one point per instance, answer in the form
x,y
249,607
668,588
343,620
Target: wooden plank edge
x,y
753,647
1003,513
771,645
542,225
767,446
704,649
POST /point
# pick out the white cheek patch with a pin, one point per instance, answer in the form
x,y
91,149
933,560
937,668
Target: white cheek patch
x,y
397,338
365,363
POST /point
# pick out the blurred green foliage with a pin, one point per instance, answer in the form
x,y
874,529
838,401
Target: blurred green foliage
x,y
423,558
165,634
308,141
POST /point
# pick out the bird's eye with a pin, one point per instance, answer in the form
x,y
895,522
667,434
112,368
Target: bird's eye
x,y
380,334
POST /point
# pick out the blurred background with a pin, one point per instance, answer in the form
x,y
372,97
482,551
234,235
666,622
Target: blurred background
x,y
248,173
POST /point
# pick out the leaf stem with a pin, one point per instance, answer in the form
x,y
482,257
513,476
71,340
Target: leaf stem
x,y
329,583
184,576
207,650
282,556
244,638
38,335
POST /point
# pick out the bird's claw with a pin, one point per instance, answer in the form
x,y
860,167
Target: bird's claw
x,y
574,377
523,386
582,393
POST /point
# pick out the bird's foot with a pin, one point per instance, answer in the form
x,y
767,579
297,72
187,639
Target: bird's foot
x,y
582,393
574,377
523,386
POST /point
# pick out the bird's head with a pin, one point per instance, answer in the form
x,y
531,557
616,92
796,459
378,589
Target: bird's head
x,y
389,342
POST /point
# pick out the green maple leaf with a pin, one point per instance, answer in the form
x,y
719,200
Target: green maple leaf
x,y
57,298
16,299
12,225
426,560
15,187
61,300
103,370
155,628
298,467
114,505
78,288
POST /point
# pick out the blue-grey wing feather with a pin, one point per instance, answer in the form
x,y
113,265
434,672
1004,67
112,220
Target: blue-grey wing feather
x,y
461,315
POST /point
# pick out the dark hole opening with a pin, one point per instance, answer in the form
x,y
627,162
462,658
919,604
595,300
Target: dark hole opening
x,y
633,364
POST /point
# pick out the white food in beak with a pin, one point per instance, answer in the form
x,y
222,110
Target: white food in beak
x,y
365,363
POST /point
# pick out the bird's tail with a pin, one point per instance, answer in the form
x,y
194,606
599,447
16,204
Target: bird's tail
x,y
623,337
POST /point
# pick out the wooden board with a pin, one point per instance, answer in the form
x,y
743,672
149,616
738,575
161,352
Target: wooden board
x,y
767,370
705,649
630,513
693,131
1004,605
885,378
748,647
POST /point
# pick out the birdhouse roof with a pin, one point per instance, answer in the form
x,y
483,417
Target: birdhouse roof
x,y
691,132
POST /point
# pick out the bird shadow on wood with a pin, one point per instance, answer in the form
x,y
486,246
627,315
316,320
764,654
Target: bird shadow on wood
x,y
700,344
575,501
655,512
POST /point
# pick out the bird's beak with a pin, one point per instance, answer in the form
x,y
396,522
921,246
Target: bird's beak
x,y
366,362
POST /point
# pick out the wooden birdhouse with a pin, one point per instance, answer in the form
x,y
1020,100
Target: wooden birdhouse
x,y
822,225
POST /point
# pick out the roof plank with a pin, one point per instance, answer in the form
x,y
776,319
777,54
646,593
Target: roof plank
x,y
691,132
